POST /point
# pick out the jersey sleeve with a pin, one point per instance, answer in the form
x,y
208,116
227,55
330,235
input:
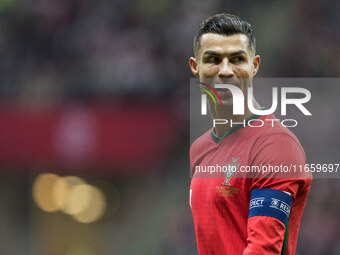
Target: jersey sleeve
x,y
193,158
273,193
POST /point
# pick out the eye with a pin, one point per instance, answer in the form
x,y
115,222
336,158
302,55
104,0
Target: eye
x,y
213,59
238,59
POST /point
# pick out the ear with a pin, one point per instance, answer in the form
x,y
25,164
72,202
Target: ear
x,y
256,64
193,66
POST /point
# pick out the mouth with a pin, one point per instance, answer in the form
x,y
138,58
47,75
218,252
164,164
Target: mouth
x,y
231,81
225,93
220,93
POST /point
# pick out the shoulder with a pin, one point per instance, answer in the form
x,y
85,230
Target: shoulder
x,y
201,142
275,139
281,157
199,148
278,148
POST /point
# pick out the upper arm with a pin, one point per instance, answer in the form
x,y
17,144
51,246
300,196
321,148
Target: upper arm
x,y
283,156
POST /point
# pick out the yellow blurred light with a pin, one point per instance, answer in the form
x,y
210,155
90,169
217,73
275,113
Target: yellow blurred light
x,y
65,195
60,190
96,207
43,190
73,180
78,199
70,194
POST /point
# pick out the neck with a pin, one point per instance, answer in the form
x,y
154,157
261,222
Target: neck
x,y
226,112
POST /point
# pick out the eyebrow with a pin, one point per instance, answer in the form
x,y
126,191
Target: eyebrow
x,y
211,52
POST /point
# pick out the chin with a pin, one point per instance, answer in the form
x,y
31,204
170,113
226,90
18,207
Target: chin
x,y
227,102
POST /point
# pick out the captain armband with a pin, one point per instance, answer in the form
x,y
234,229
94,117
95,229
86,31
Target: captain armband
x,y
270,202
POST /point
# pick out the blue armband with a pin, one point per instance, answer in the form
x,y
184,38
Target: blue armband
x,y
270,202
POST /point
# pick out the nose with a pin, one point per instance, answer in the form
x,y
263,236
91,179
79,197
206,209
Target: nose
x,y
225,70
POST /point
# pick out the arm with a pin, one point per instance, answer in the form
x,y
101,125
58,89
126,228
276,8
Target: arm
x,y
268,215
273,195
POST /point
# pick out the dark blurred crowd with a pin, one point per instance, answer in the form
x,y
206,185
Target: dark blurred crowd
x,y
55,49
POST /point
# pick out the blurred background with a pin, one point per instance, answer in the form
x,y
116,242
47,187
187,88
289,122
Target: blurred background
x,y
94,120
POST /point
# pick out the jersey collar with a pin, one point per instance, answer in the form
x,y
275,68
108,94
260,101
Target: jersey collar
x,y
218,139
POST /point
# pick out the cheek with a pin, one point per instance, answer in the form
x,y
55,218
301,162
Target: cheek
x,y
245,71
209,71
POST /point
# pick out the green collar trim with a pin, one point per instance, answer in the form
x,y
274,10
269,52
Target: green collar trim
x,y
218,139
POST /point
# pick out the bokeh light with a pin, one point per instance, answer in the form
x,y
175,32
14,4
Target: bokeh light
x,y
43,192
67,195
72,195
91,205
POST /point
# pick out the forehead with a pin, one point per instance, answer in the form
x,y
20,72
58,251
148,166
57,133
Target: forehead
x,y
223,43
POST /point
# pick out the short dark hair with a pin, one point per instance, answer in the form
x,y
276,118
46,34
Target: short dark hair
x,y
225,24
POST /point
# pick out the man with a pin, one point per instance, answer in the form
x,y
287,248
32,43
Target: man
x,y
233,213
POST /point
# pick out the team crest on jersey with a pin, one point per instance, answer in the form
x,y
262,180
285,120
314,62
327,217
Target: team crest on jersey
x,y
230,170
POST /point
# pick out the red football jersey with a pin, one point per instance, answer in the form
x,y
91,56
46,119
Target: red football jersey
x,y
221,200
